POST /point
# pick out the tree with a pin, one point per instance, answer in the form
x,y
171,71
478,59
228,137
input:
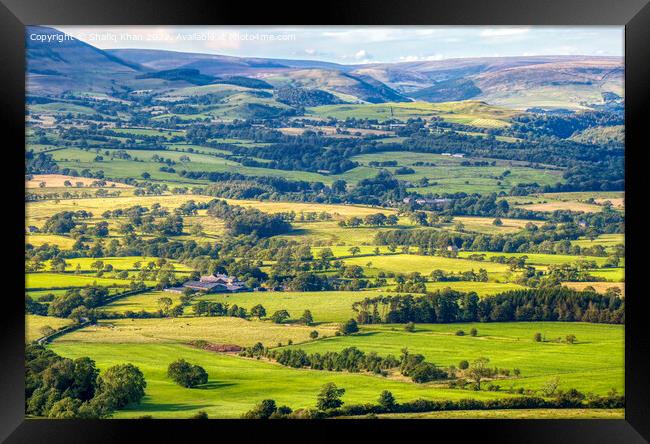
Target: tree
x,y
329,397
479,371
280,316
497,222
550,387
46,330
187,375
354,250
262,410
196,230
387,401
538,337
201,414
463,365
473,332
258,311
570,339
164,304
122,384
410,327
349,327
307,318
313,334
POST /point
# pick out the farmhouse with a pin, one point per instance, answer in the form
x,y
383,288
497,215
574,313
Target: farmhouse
x,y
217,283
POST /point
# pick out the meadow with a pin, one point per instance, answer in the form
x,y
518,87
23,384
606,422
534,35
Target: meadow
x,y
408,263
40,281
469,112
216,330
235,384
593,364
34,324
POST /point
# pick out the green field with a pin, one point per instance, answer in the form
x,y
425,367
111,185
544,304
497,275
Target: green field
x,y
408,263
325,306
448,175
235,384
468,112
593,364
119,263
34,281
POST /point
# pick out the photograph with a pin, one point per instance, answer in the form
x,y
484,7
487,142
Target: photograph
x,y
417,222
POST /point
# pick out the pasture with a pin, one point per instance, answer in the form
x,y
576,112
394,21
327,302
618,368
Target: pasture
x,y
40,281
235,384
468,112
34,324
600,287
408,263
593,364
325,306
219,330
126,263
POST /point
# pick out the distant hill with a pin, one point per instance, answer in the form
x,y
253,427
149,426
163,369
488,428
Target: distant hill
x,y
543,82
71,65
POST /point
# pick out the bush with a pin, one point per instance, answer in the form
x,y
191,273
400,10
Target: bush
x,y
262,410
349,327
473,332
410,327
187,375
538,337
463,365
460,333
313,334
199,415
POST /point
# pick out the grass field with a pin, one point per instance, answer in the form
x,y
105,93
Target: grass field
x,y
593,364
467,112
325,306
408,263
34,281
142,301
118,263
220,330
235,384
486,224
330,233
608,241
538,258
34,323
600,287
449,175
62,242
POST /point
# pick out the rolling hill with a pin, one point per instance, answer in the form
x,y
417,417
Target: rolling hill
x,y
573,82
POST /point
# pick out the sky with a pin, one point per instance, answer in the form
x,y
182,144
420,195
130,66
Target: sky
x,y
354,45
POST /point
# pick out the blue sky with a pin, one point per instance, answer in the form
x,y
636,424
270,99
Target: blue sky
x,y
352,45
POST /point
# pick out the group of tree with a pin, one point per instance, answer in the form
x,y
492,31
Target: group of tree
x,y
446,306
62,388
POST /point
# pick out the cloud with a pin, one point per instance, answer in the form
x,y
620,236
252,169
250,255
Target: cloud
x,y
416,58
362,54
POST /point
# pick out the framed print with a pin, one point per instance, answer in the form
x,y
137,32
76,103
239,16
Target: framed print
x,y
420,215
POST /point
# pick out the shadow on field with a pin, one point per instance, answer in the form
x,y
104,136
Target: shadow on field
x,y
213,385
171,407
365,334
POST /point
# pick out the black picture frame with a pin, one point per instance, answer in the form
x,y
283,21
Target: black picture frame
x,y
633,14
